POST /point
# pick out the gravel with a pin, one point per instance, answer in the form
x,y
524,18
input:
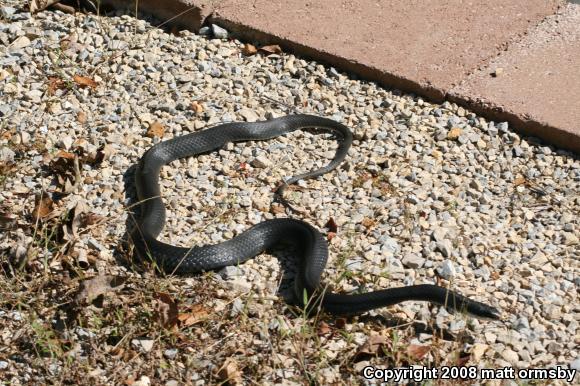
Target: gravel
x,y
434,186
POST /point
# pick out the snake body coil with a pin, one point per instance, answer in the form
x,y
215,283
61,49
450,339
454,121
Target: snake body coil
x,y
311,245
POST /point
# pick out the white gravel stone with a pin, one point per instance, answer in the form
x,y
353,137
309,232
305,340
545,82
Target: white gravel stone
x,y
219,32
412,260
447,270
144,345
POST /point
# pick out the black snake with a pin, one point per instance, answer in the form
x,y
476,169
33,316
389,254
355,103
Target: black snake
x,y
311,245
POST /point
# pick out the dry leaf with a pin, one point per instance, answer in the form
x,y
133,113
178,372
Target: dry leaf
x,y
82,117
197,107
92,288
65,154
43,207
66,167
84,81
7,221
324,328
195,314
165,310
103,153
519,181
271,49
375,345
249,49
462,360
417,352
54,83
454,133
155,129
331,225
277,208
229,372
477,351
368,222
78,211
340,323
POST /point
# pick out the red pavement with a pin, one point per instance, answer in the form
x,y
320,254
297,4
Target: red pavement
x,y
442,49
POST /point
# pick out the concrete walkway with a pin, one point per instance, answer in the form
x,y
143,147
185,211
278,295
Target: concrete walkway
x,y
513,60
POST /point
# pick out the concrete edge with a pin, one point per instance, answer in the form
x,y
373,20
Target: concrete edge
x,y
524,125
527,126
250,34
190,14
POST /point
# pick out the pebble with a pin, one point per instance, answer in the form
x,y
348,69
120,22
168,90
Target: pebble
x,y
248,115
170,353
230,272
7,12
237,307
510,356
6,155
413,261
447,270
143,345
19,43
219,32
444,247
260,162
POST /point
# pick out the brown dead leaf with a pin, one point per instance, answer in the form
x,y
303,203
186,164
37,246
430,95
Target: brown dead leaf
x,y
417,351
195,314
155,129
66,167
83,81
197,107
230,373
454,133
368,222
277,208
324,328
81,218
331,225
92,288
340,323
249,49
7,221
519,181
82,117
165,310
462,359
271,49
43,206
96,158
55,83
65,154
477,352
374,346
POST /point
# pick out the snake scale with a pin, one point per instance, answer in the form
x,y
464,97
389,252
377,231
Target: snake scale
x,y
311,246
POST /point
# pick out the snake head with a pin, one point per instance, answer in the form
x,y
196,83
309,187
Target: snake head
x,y
482,311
